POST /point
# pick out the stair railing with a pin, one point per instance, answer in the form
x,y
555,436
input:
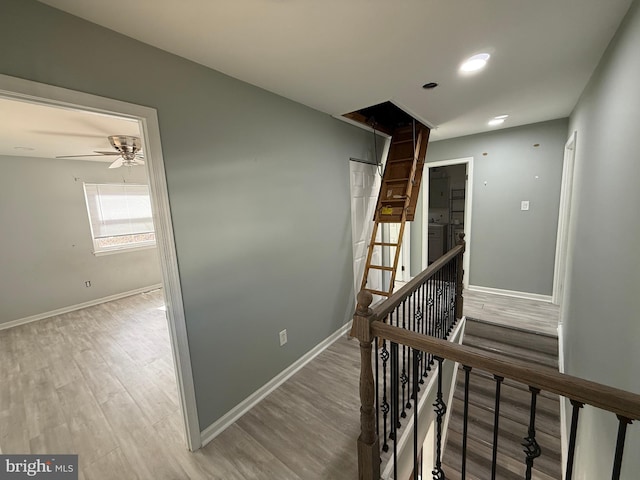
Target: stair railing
x,y
394,326
429,305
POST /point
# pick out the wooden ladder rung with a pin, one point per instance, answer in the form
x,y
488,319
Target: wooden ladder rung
x,y
398,160
378,292
396,180
397,142
386,244
394,200
382,267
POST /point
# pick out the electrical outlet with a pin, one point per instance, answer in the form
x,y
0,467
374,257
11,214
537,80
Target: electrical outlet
x,y
524,205
87,283
283,337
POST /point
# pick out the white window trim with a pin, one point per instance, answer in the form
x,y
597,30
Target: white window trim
x,y
100,251
128,248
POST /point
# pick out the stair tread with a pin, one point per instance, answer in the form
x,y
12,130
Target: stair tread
x,y
511,351
479,460
512,383
511,435
514,403
537,341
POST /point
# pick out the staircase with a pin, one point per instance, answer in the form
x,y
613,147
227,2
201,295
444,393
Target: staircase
x,y
510,343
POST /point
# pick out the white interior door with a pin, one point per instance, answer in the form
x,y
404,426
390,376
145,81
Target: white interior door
x,y
365,185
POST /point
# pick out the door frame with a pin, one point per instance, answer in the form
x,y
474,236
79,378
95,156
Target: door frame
x,y
564,214
468,204
34,92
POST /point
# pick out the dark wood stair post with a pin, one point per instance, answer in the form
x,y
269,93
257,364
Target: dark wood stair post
x,y
368,443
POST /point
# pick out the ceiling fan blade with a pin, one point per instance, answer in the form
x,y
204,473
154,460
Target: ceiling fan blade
x,y
117,163
139,161
79,156
102,152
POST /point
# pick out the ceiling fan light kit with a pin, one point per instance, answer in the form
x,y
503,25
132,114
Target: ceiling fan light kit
x,y
126,147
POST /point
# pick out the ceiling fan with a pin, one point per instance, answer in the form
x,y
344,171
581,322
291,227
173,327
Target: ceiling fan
x,y
127,147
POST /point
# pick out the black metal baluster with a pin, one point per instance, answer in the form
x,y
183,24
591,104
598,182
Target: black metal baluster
x,y
404,378
408,312
441,410
394,406
465,419
617,459
384,355
375,342
496,419
416,362
429,325
451,298
572,437
455,286
531,448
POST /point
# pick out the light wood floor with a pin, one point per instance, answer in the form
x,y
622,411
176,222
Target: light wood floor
x,y
514,312
100,382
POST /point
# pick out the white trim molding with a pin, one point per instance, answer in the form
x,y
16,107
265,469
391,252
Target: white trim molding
x,y
510,293
224,422
39,93
468,205
562,239
79,306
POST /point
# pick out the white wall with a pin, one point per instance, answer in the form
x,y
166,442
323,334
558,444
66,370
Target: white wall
x,y
46,251
602,305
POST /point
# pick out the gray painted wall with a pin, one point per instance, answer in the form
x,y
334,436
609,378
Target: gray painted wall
x,y
259,193
510,249
601,327
47,252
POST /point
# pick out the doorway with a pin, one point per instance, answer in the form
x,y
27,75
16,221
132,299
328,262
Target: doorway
x,y
34,93
447,209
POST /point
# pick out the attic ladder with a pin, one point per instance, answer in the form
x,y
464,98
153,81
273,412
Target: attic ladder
x,y
398,195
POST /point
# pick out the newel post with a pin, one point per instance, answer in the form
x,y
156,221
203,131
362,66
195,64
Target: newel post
x,y
460,277
368,443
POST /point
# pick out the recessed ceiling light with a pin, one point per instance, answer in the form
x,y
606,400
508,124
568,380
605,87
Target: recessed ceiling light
x,y
430,85
475,63
501,116
496,121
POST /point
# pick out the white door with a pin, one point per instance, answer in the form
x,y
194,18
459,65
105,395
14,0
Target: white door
x,y
365,185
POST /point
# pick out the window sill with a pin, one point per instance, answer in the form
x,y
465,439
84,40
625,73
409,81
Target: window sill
x,y
111,251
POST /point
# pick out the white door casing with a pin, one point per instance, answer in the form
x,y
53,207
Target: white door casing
x,y
40,93
468,205
562,239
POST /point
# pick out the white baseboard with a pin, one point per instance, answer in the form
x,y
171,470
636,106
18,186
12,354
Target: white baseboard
x,y
510,293
79,306
220,425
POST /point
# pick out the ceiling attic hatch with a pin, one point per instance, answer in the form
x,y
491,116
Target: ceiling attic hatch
x,y
384,117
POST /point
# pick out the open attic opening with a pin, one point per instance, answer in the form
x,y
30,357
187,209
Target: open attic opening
x,y
385,117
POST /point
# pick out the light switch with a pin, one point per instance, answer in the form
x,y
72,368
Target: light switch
x,y
524,205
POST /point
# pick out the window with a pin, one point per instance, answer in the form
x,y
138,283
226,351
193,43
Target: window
x,y
120,216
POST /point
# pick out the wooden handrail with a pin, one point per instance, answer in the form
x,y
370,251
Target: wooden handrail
x,y
620,402
383,309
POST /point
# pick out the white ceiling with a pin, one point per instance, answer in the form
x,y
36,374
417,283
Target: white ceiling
x,y
33,130
342,55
